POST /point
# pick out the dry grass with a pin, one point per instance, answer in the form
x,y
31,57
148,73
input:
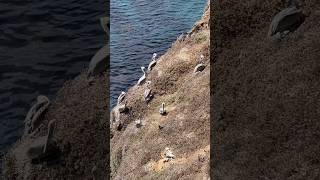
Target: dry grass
x,y
185,127
265,95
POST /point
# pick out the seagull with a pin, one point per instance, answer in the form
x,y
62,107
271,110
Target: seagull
x,y
147,93
104,21
33,116
201,60
168,154
123,107
99,62
287,20
121,97
153,62
162,111
143,78
138,123
200,67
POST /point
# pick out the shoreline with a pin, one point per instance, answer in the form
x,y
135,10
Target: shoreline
x,y
140,134
82,126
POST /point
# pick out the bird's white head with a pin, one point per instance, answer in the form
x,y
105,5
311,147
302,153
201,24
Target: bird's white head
x,y
143,69
154,55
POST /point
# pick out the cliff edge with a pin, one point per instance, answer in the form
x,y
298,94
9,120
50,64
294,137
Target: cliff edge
x,y
141,135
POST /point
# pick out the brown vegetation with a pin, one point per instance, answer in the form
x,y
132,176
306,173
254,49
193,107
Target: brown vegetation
x,y
265,94
137,153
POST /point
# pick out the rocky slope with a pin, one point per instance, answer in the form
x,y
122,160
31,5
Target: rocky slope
x,y
138,152
265,94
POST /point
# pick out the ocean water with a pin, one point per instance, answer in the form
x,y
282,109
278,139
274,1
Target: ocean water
x,y
140,28
43,43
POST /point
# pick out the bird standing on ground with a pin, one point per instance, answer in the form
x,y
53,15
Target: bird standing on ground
x,y
162,111
287,20
99,62
168,154
153,62
121,97
33,119
148,93
200,66
143,78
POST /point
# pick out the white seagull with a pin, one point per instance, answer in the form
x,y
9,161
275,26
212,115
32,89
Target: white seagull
x,y
121,97
153,62
200,67
168,154
143,78
162,111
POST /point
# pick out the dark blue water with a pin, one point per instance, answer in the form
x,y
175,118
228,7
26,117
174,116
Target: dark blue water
x,y
43,43
141,27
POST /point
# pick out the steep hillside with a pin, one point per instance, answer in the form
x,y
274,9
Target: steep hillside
x,y
138,152
265,94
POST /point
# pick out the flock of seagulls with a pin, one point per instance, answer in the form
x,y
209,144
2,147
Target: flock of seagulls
x,y
148,95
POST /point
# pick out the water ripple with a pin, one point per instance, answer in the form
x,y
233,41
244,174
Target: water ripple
x,y
140,28
42,44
